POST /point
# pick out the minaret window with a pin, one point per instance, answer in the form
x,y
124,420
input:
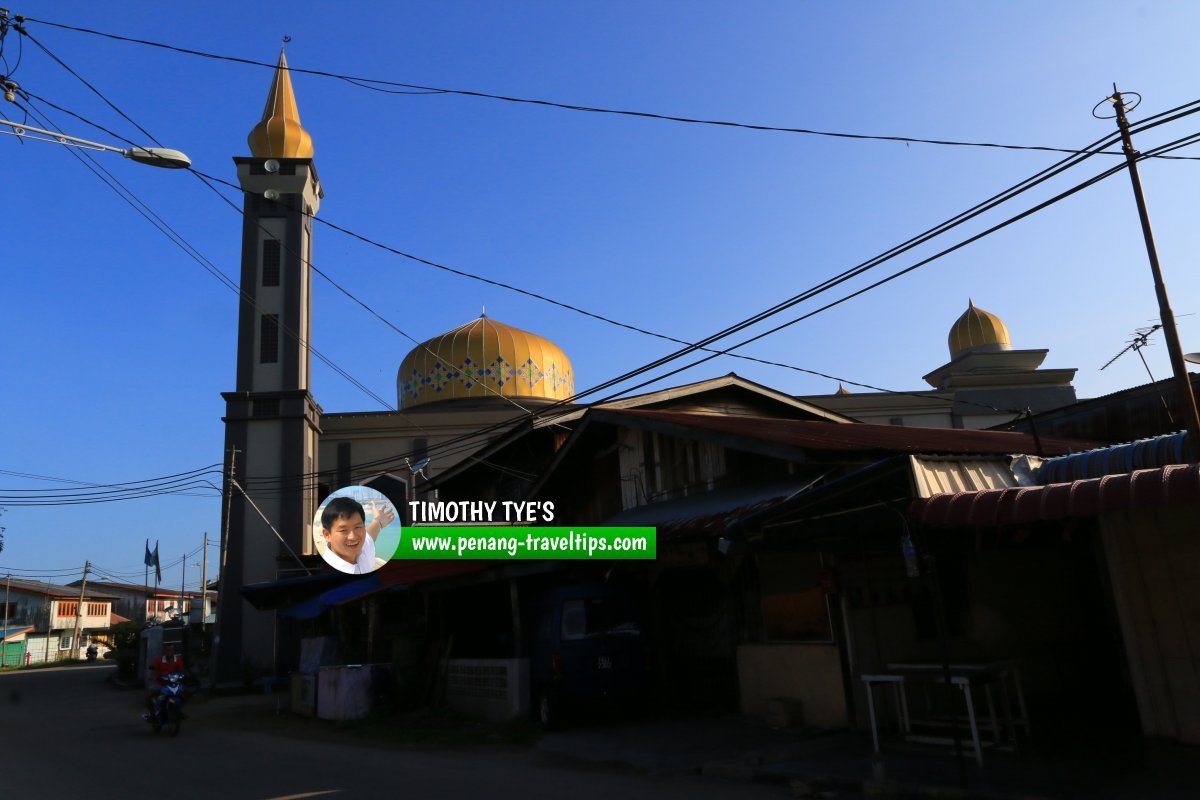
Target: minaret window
x,y
270,262
268,351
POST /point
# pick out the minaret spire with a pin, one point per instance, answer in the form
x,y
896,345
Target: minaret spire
x,y
279,133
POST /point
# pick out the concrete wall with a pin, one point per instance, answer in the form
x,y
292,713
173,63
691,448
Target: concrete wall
x,y
1154,562
810,673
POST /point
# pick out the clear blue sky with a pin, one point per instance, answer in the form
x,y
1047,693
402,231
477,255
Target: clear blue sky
x,y
117,345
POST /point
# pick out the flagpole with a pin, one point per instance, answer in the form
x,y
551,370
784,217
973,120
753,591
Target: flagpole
x,y
146,582
157,576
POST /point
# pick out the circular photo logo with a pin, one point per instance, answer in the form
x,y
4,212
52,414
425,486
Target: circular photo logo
x,y
356,529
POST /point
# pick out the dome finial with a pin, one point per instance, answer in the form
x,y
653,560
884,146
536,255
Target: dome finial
x,y
279,133
978,330
483,312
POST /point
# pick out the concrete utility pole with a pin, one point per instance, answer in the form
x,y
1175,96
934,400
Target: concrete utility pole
x,y
4,632
204,586
1186,399
182,582
49,625
233,451
87,565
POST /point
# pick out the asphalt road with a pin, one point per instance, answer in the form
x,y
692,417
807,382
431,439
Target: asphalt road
x,y
67,733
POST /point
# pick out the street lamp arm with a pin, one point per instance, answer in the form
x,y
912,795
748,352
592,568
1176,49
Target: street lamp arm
x,y
154,156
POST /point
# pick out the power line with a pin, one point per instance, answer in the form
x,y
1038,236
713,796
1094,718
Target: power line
x,y
540,411
557,407
377,84
206,181
1093,149
179,241
209,179
188,473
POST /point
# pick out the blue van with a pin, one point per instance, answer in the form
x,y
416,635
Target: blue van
x,y
587,646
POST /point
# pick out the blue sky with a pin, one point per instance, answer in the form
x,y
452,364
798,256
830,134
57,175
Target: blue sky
x,y
117,345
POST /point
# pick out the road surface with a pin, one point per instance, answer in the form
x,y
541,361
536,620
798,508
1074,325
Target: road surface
x,y
67,733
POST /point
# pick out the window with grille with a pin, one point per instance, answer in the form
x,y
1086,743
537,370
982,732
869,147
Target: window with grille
x,y
270,262
268,351
97,609
67,609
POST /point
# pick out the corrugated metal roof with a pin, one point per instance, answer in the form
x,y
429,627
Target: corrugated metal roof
x,y
1174,485
857,436
933,475
707,513
54,590
14,630
1158,451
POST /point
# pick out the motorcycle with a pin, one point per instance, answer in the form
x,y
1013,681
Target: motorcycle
x,y
92,652
168,705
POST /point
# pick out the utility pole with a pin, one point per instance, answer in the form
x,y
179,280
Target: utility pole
x,y
228,505
87,565
49,625
4,633
182,582
1185,398
204,587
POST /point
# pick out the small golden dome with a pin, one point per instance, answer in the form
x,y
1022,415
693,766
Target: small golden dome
x,y
279,134
842,390
484,359
978,330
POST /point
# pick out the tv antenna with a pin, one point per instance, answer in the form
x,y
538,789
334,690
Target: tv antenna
x,y
1138,342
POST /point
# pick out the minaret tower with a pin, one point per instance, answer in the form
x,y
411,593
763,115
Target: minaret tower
x,y
271,420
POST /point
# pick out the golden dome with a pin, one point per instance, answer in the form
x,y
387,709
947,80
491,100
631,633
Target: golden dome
x,y
278,134
481,359
978,330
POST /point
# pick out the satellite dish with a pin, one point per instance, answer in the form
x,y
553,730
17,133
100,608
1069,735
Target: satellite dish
x,y
424,462
1192,357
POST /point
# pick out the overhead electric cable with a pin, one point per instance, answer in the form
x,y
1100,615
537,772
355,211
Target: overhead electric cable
x,y
177,239
203,177
378,84
89,485
718,353
206,181
556,408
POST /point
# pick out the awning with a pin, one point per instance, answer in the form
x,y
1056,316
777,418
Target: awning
x,y
394,576
1178,484
271,595
11,632
705,514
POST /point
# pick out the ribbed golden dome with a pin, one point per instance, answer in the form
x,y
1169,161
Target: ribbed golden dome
x,y
978,330
278,134
484,358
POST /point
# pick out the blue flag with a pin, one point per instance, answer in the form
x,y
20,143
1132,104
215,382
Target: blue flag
x,y
149,559
157,568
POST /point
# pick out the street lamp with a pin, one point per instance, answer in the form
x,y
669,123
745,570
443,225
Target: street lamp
x,y
154,156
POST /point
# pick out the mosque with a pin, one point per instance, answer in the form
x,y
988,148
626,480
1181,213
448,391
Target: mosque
x,y
283,453
984,384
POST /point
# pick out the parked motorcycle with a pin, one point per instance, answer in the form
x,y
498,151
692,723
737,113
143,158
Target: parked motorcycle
x,y
168,705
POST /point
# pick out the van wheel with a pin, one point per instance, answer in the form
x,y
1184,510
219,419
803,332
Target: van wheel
x,y
549,713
